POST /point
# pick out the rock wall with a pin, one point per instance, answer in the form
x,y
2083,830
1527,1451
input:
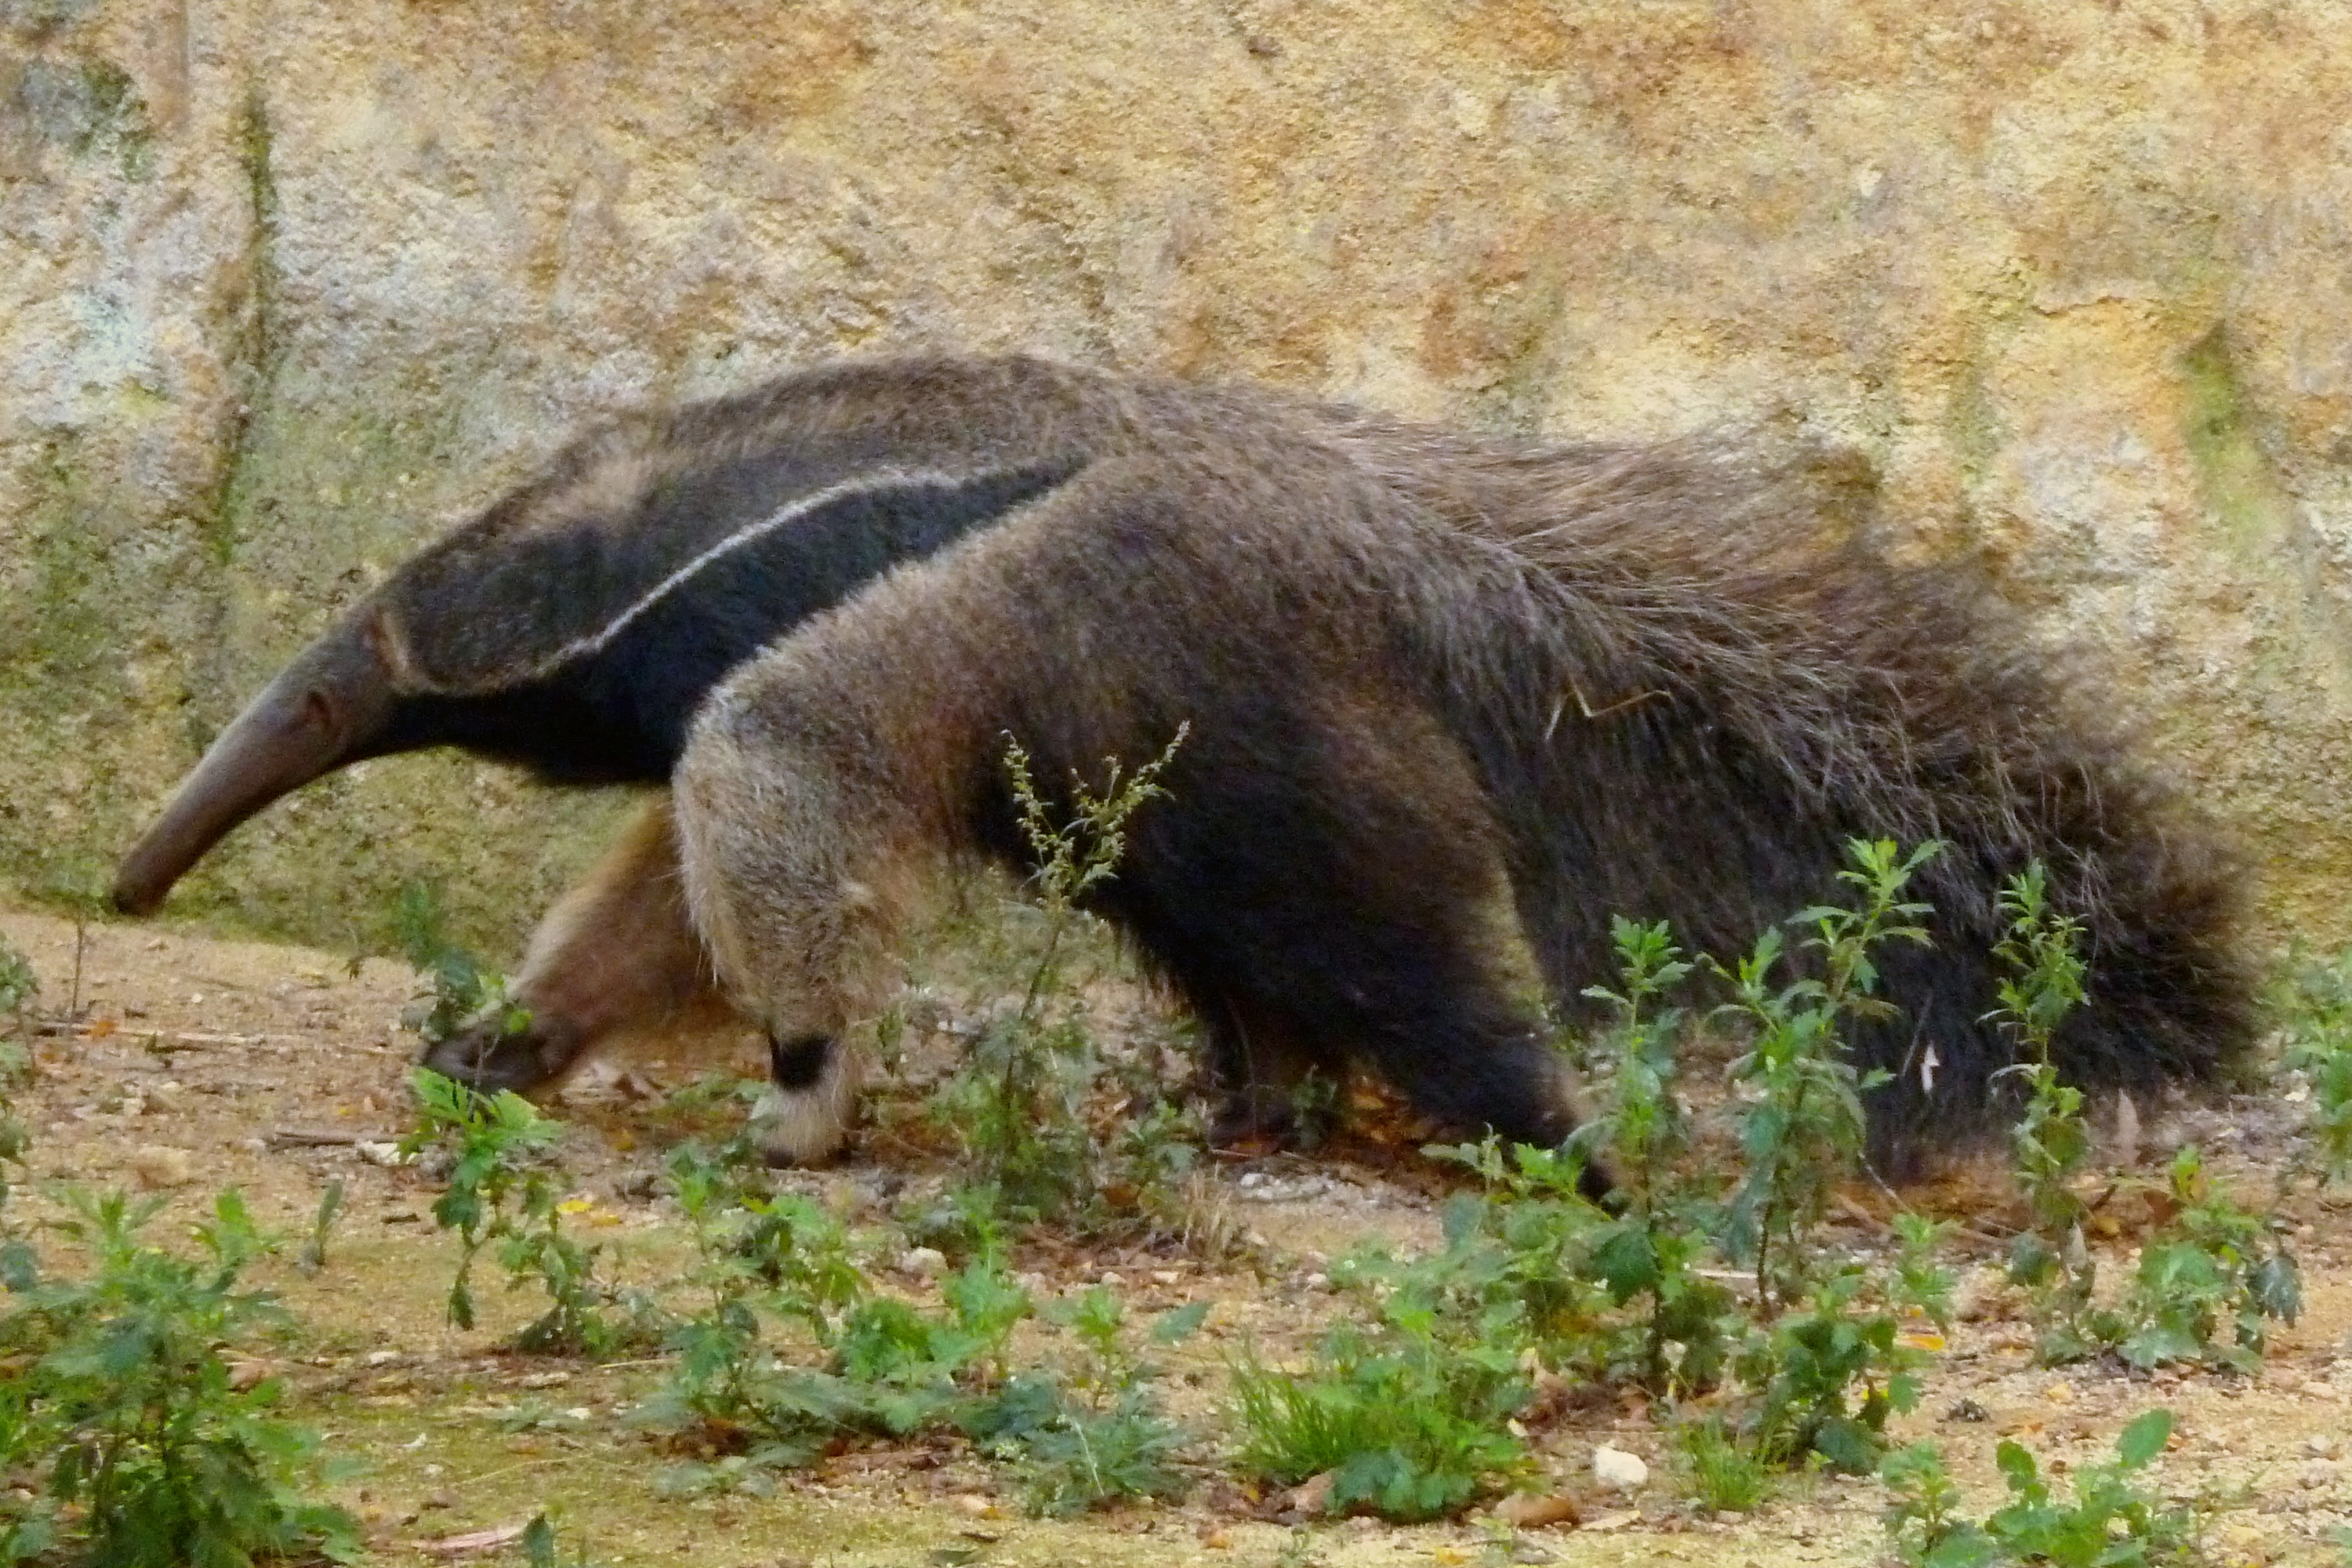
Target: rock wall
x,y
287,285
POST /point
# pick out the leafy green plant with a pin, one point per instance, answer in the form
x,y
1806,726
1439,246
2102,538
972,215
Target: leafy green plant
x,y
2210,1282
1921,1283
1924,1525
457,989
18,986
1534,1261
2211,1278
539,1549
1654,1246
313,1256
1533,1275
1801,1119
1828,1373
1411,1411
737,1394
753,1242
1824,1361
890,1369
500,1189
2311,1002
1020,1106
2110,1521
1099,1435
121,1429
1410,1427
2050,1142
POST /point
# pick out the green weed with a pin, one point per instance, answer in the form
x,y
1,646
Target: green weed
x,y
500,1190
2050,1142
1724,1476
539,1549
313,1256
126,1441
2109,1522
456,989
1800,1118
1827,1374
886,1367
1098,1434
2211,1278
1021,1109
1410,1412
18,988
2209,1283
2311,1002
1654,1246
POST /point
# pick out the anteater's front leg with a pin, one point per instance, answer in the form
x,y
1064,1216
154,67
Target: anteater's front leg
x,y
617,956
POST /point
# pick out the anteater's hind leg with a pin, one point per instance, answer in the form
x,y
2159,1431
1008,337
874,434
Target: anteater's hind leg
x,y
615,956
1258,1063
1342,888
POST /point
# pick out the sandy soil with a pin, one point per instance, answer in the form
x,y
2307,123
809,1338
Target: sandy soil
x,y
196,1064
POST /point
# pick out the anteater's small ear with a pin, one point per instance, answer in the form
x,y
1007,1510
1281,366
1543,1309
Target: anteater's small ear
x,y
380,632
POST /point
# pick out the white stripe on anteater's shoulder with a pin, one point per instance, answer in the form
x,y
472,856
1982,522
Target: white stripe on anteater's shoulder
x,y
875,483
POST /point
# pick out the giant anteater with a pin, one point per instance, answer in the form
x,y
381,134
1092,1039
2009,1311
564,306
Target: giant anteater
x,y
1445,693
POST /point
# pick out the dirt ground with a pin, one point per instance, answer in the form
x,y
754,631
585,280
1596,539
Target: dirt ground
x,y
198,1064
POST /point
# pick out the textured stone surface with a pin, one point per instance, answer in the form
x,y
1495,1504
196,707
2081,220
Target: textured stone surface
x,y
286,286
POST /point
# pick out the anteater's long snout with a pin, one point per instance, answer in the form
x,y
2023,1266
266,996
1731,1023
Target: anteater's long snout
x,y
319,713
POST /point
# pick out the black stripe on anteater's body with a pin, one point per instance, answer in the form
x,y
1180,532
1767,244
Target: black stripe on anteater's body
x,y
1432,682
574,624
1429,678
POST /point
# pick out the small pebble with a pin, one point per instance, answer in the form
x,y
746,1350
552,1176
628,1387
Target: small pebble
x,y
1616,1468
923,1262
157,1166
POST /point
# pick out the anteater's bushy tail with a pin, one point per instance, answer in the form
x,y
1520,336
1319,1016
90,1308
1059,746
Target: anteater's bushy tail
x,y
1688,680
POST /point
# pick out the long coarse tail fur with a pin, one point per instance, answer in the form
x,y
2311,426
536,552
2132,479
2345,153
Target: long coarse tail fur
x,y
1689,680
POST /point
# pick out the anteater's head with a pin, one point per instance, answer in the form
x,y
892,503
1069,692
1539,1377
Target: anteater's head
x,y
574,626
324,709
